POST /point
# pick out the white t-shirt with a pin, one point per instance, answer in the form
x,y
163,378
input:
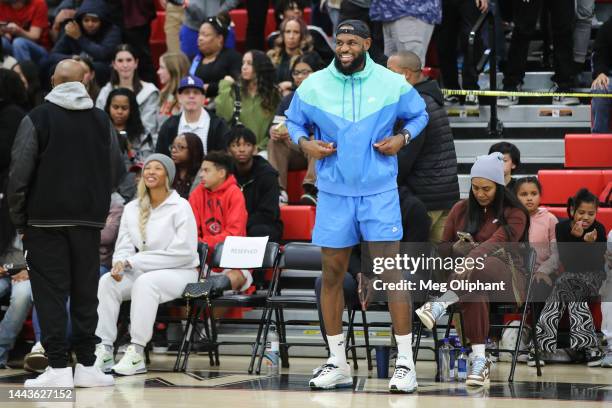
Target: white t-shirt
x,y
200,127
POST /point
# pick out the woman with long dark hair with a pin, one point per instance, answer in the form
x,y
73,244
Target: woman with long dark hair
x,y
259,96
481,236
134,140
125,75
187,153
292,41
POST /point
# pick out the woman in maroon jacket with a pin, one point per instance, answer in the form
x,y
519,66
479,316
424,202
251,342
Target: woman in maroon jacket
x,y
479,233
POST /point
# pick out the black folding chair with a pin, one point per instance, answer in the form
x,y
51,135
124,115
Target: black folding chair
x,y
194,309
530,259
254,300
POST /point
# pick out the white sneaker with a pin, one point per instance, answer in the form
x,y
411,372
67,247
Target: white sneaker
x,y
131,363
52,377
36,360
104,359
331,376
404,378
91,377
429,313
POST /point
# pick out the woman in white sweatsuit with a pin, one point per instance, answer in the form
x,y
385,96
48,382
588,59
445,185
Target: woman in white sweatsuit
x,y
155,258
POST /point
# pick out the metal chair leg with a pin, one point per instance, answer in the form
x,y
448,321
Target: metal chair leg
x,y
351,338
366,336
256,346
264,339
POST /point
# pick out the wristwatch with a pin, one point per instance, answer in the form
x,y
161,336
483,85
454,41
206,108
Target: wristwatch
x,y
299,140
406,135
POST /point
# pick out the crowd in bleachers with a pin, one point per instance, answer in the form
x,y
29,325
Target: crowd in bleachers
x,y
209,127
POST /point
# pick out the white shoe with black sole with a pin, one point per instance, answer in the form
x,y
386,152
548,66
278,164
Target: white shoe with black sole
x,y
404,380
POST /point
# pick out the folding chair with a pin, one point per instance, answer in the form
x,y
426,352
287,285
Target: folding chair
x,y
304,257
254,300
530,259
194,309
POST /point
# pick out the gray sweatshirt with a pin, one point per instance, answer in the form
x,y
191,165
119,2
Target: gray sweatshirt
x,y
200,10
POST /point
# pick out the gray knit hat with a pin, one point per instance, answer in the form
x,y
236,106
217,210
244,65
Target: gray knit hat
x,y
490,167
166,162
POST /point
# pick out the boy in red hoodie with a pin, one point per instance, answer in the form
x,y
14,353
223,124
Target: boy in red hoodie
x,y
220,211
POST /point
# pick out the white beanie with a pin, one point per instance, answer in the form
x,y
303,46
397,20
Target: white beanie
x,y
490,167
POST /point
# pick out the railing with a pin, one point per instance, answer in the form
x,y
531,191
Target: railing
x,y
490,56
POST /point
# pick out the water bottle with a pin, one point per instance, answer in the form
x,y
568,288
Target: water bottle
x,y
272,353
462,366
444,361
454,352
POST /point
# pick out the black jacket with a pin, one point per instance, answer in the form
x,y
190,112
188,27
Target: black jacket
x,y
261,191
228,62
217,134
602,52
65,163
428,165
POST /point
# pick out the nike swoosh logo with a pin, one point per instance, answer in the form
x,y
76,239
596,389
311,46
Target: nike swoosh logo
x,y
136,362
107,360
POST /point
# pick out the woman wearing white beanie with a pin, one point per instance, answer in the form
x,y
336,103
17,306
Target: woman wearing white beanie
x,y
476,229
155,258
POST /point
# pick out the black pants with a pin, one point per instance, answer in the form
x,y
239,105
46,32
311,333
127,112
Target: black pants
x,y
525,20
64,262
458,18
263,230
351,11
415,220
256,27
138,38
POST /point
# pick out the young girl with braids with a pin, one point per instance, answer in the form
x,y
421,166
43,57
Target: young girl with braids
x,y
155,258
259,96
581,245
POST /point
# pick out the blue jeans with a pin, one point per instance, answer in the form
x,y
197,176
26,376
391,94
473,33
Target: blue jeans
x,y
25,50
600,109
103,270
11,324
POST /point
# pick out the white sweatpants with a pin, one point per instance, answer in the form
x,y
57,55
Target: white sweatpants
x,y
147,291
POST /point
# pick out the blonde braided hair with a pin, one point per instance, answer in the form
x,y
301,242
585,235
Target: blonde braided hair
x,y
144,206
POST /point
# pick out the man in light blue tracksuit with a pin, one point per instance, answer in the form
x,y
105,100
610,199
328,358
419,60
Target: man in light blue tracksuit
x,y
352,106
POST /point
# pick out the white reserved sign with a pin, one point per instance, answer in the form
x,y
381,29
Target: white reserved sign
x,y
243,252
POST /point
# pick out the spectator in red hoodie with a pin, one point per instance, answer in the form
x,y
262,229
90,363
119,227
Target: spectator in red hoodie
x,y
220,211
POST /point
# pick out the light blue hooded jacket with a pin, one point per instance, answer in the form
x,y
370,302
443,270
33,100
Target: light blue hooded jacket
x,y
354,112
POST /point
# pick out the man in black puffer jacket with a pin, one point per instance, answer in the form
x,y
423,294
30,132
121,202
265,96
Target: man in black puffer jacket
x,y
428,165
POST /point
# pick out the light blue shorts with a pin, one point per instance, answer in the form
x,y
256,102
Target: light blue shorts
x,y
344,221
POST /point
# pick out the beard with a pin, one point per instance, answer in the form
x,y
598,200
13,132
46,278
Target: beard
x,y
353,67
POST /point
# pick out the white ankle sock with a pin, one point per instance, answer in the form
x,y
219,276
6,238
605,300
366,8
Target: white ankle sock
x,y
337,350
478,350
404,349
448,298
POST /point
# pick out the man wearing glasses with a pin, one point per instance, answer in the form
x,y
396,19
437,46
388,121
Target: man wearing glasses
x,y
194,118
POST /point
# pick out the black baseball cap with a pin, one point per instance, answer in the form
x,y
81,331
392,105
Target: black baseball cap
x,y
354,27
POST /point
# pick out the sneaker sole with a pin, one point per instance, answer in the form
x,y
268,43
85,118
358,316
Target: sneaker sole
x,y
426,319
125,374
477,383
36,364
594,363
394,390
93,385
313,386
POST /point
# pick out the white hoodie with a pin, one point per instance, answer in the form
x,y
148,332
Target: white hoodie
x,y
172,238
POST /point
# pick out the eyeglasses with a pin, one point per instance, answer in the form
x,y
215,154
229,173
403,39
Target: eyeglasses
x,y
303,72
178,148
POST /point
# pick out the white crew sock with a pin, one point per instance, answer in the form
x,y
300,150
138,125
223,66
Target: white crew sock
x,y
478,350
404,350
448,298
336,350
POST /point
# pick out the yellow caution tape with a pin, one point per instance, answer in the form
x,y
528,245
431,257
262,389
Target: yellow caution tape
x,y
462,92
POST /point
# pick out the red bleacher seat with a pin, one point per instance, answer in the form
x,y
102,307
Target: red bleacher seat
x,y
559,185
590,150
298,222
